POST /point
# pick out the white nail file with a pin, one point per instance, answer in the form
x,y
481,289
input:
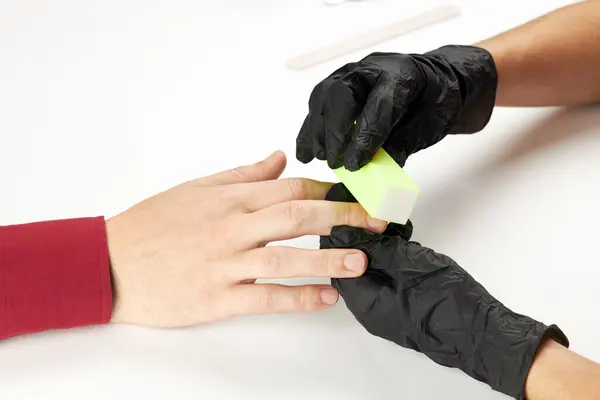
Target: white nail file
x,y
433,16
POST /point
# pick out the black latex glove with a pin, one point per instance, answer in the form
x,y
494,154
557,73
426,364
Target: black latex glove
x,y
425,301
403,102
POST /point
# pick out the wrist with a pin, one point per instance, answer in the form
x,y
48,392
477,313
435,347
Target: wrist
x,y
113,242
559,373
507,359
476,74
540,373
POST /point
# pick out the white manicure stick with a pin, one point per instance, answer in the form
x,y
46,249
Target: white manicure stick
x,y
433,16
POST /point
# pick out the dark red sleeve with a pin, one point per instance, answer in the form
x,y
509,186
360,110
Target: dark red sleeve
x,y
54,275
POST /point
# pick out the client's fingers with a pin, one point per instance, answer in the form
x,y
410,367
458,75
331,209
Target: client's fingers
x,y
270,168
258,195
277,299
290,262
305,217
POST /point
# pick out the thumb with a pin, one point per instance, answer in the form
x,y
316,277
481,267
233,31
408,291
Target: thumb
x,y
268,169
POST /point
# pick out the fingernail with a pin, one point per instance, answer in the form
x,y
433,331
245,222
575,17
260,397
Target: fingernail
x,y
354,262
377,225
329,296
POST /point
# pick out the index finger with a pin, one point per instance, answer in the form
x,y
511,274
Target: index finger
x,y
259,195
341,109
293,219
387,104
334,105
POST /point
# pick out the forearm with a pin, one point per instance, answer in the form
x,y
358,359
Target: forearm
x,y
558,373
550,61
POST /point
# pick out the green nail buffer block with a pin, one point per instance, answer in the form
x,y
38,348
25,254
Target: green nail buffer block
x,y
383,188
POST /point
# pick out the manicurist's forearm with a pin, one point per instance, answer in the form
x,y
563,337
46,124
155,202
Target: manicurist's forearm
x,y
552,60
558,373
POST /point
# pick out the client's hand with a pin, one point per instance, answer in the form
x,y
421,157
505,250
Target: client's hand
x,y
191,254
425,301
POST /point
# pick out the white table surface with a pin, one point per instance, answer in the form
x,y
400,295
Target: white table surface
x,y
103,103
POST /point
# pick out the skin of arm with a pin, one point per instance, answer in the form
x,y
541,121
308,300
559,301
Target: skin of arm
x,y
559,373
553,60
550,61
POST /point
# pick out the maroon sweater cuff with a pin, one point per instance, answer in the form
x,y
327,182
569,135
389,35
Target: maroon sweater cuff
x,y
54,275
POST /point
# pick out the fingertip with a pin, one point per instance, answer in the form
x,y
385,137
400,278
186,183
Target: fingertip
x,y
356,263
352,159
364,157
335,162
329,296
304,152
352,165
303,155
320,154
278,156
377,225
276,162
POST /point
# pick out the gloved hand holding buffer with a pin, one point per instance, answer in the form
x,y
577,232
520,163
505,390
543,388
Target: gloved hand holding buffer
x,y
425,301
401,102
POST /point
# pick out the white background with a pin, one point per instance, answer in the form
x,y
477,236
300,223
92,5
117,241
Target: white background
x,y
103,103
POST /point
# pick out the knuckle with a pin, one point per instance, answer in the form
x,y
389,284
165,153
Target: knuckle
x,y
349,66
240,172
295,214
217,229
265,301
271,263
409,77
306,298
346,216
299,188
349,214
327,263
316,95
343,71
249,172
357,215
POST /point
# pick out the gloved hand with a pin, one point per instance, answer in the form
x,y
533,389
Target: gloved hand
x,y
425,301
403,102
